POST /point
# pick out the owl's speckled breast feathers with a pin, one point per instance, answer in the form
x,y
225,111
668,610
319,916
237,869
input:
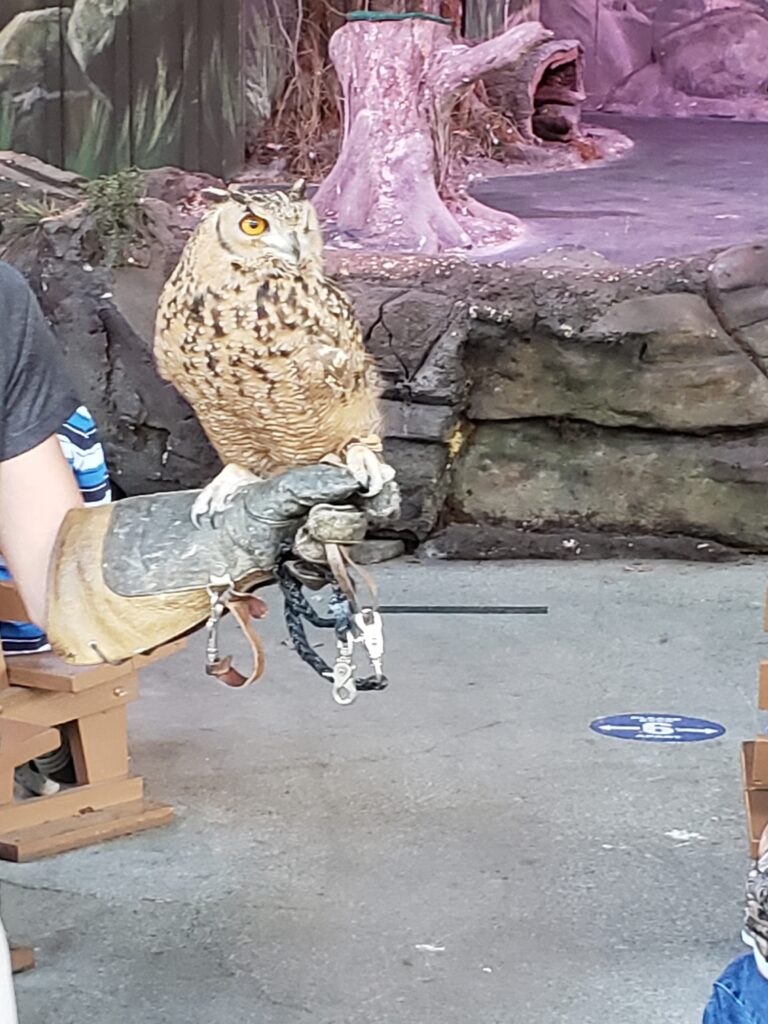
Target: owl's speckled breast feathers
x,y
263,346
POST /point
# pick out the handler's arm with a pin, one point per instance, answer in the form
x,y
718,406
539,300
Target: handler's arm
x,y
37,489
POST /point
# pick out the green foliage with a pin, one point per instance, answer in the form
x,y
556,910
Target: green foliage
x,y
100,145
156,117
222,95
170,108
28,213
114,202
148,134
23,218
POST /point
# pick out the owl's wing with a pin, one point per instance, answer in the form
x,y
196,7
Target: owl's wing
x,y
280,379
338,361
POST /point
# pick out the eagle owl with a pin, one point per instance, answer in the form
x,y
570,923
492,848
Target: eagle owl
x,y
267,351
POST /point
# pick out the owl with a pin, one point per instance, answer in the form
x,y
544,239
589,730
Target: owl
x,y
265,348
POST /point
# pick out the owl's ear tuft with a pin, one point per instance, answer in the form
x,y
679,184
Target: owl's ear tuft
x,y
298,189
216,195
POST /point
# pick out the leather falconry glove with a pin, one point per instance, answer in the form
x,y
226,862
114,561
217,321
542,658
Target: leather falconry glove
x,y
130,576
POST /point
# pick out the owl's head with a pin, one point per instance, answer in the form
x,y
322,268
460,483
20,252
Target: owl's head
x,y
254,225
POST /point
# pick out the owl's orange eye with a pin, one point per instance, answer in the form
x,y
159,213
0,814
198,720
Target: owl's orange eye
x,y
253,225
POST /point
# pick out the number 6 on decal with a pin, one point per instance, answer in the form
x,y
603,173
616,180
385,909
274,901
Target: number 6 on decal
x,y
658,729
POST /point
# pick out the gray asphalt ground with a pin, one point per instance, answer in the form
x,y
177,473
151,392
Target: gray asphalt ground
x,y
460,849
686,187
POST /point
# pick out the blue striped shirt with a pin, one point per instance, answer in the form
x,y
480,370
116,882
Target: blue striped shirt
x,y
82,450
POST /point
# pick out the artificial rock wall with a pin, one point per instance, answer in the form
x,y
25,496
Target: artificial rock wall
x,y
561,406
690,58
565,407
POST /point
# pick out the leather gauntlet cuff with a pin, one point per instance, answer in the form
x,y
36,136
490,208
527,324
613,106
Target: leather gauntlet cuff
x,y
87,621
128,577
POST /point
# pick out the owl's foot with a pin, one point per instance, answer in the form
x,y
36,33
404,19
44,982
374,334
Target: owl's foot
x,y
366,466
218,495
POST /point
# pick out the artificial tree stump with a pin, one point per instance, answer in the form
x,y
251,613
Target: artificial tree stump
x,y
400,80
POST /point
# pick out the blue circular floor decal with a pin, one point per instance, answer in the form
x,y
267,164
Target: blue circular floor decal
x,y
657,728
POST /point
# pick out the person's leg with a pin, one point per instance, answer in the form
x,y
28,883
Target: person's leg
x,y
755,932
740,994
7,1000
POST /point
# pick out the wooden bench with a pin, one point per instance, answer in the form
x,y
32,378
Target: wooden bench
x,y
42,699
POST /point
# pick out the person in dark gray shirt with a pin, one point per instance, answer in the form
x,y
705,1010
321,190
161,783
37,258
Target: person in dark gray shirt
x,y
35,399
35,393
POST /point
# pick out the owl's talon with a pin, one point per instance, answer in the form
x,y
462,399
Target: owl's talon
x,y
218,495
367,468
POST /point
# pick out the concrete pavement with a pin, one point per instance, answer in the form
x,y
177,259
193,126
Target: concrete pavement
x,y
687,186
461,849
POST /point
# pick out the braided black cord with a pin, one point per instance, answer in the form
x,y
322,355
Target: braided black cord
x,y
292,591
296,609
298,634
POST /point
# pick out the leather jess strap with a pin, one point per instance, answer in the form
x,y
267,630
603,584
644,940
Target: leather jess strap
x,y
244,608
342,567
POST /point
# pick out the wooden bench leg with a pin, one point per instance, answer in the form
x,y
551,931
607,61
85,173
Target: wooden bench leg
x,y
99,745
6,785
22,959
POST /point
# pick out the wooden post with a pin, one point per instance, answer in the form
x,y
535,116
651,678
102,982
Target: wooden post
x,y
22,959
99,745
754,758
